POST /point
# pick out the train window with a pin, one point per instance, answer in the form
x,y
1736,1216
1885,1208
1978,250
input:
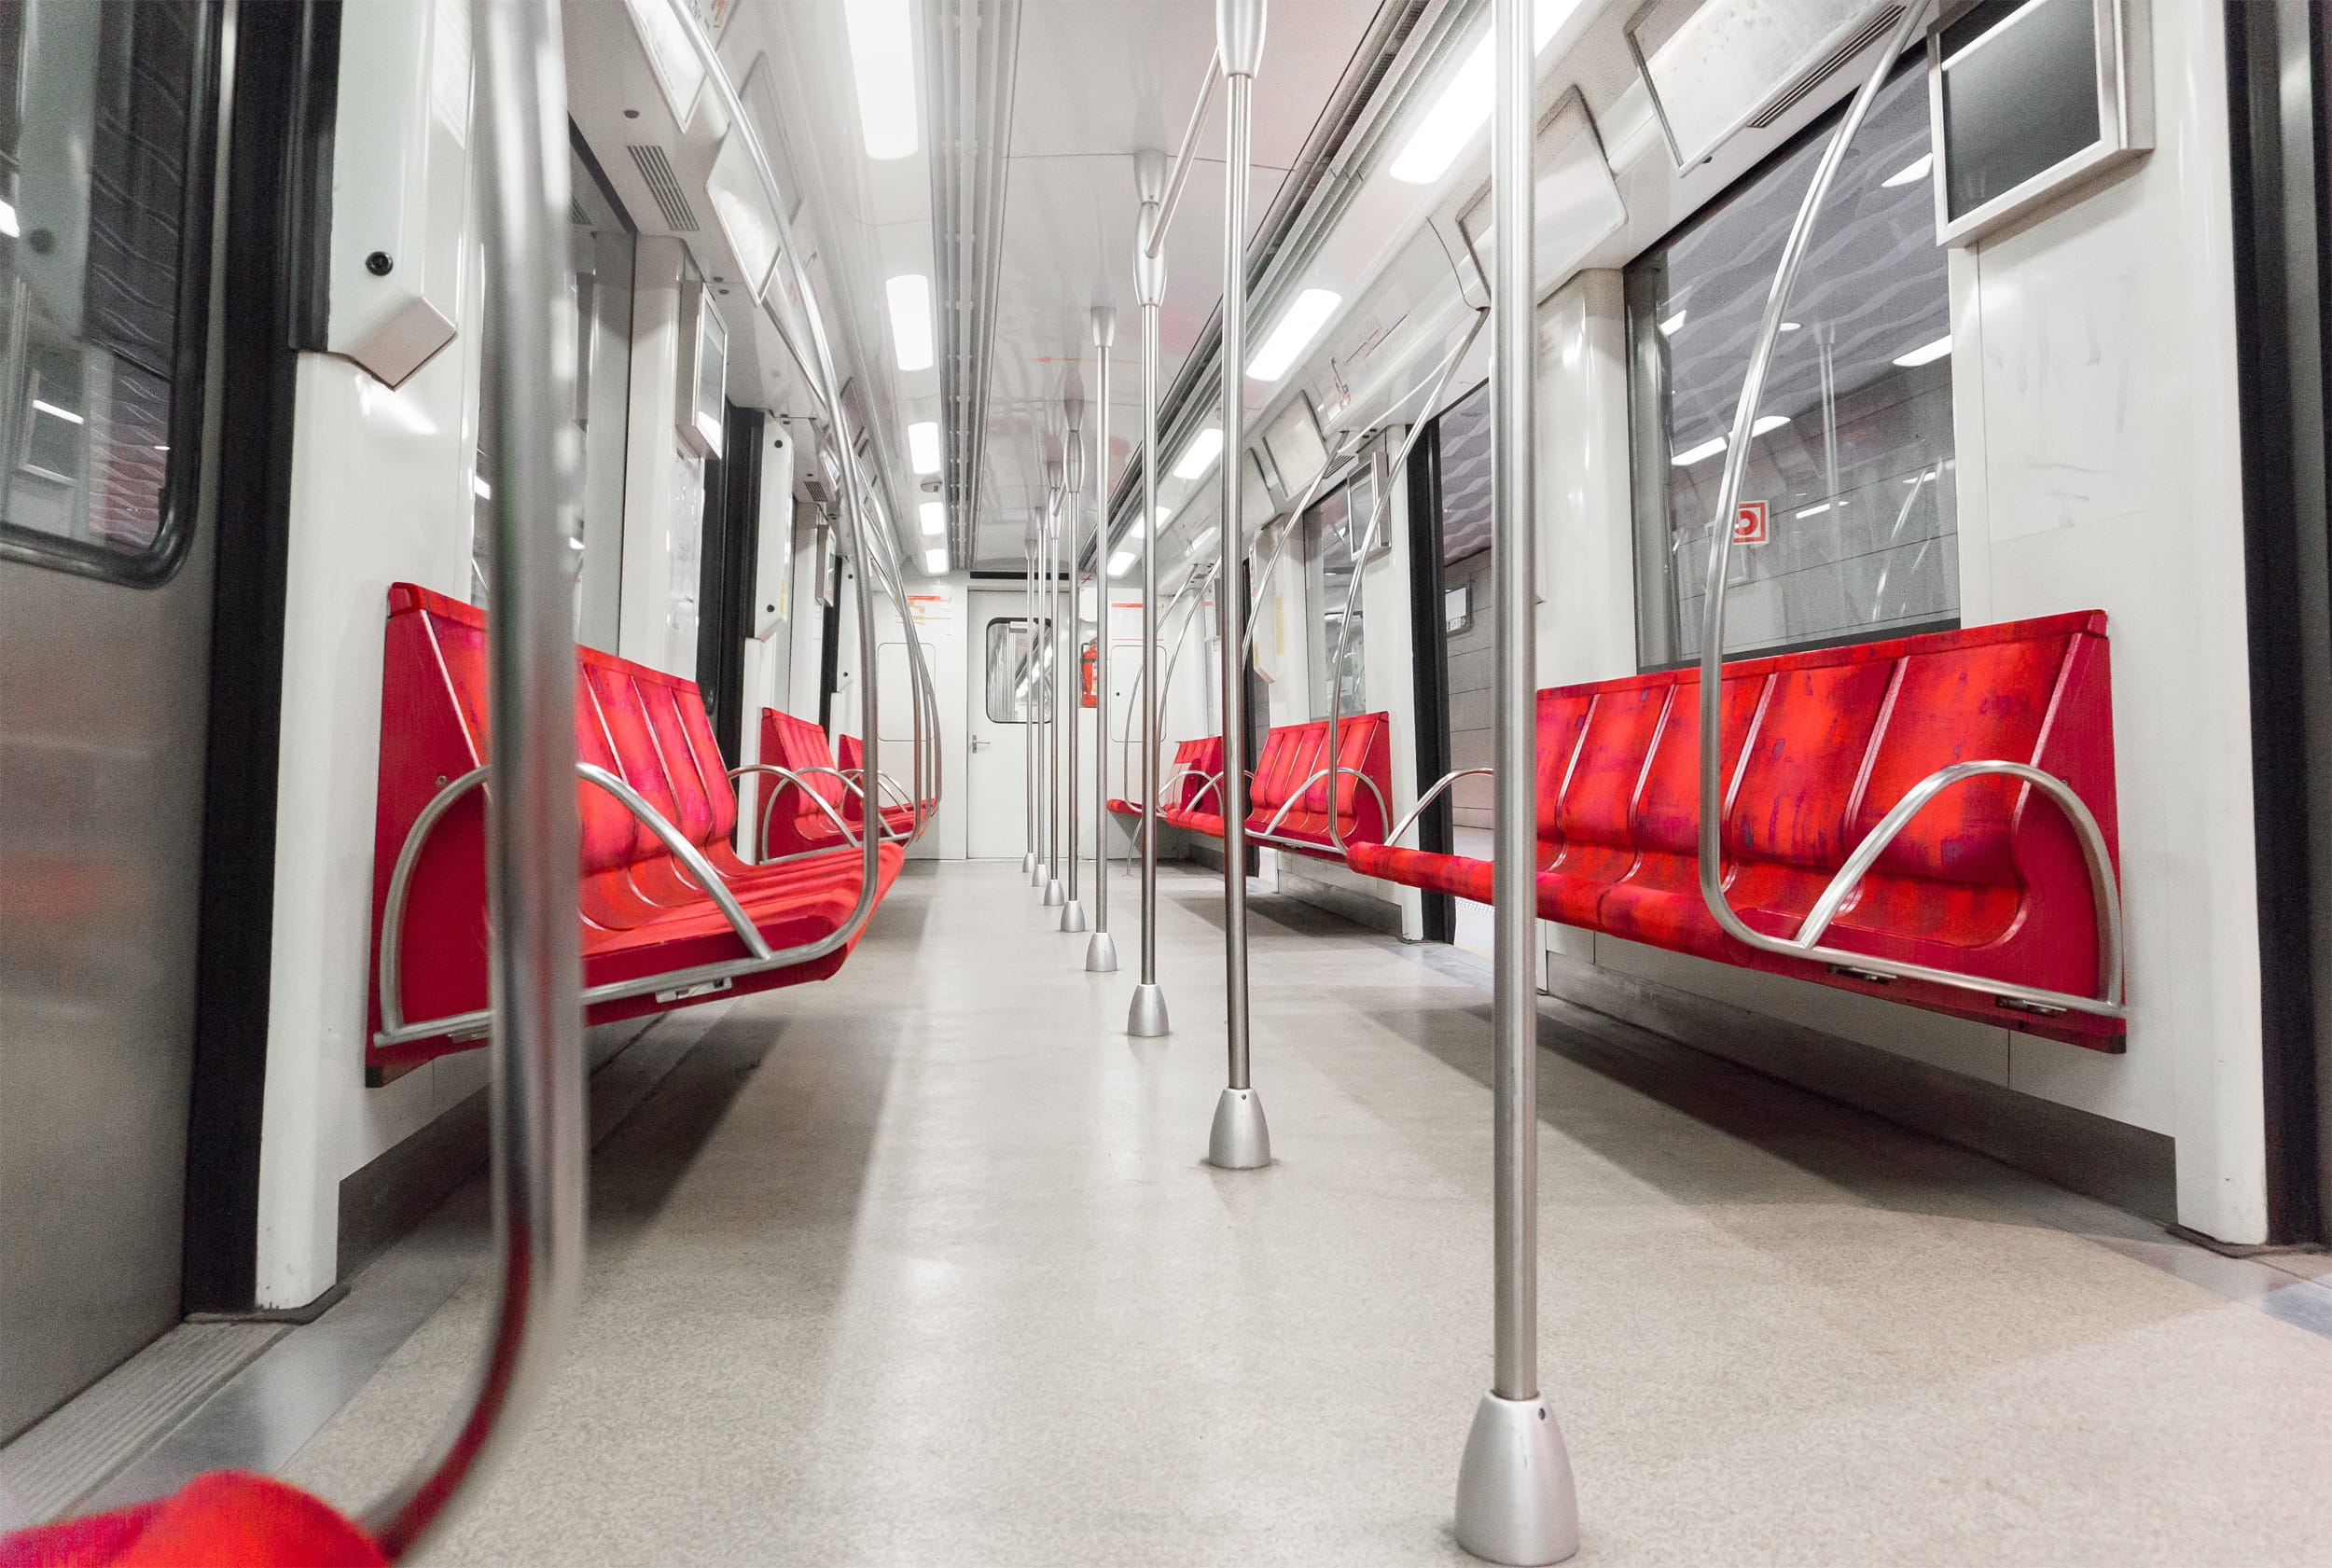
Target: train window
x,y
1009,701
105,238
1462,473
1848,494
1331,529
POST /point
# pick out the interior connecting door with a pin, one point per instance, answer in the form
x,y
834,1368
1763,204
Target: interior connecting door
x,y
997,770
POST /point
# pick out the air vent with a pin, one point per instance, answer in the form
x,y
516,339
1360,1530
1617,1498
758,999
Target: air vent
x,y
1871,33
576,215
663,183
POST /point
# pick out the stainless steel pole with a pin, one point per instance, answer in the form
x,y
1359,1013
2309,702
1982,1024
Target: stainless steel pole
x,y
1021,708
1053,893
1240,1140
1145,1015
1101,954
1070,671
1516,1502
537,1041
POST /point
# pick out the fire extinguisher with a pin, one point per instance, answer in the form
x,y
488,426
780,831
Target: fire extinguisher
x,y
1085,677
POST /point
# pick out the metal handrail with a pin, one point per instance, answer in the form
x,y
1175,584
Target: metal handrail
x,y
1297,794
826,385
1183,160
1806,943
1369,542
389,970
1440,785
1167,677
533,835
768,807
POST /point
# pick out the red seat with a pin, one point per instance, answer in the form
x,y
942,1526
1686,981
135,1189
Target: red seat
x,y
1293,797
897,816
1989,880
225,1517
642,913
798,817
1186,782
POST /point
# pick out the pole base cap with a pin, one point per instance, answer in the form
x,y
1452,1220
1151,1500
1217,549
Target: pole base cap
x,y
1071,915
1028,862
1240,1140
1146,1018
1516,1503
1054,898
1101,954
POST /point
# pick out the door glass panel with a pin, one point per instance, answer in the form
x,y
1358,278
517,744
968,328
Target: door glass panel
x,y
1011,697
1332,530
102,240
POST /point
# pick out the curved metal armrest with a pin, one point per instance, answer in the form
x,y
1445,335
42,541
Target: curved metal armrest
x,y
389,974
1182,772
1299,792
1440,786
2103,890
768,807
1213,781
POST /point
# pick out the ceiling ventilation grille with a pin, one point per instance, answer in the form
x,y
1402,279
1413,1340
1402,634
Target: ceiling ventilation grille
x,y
1867,35
663,183
576,215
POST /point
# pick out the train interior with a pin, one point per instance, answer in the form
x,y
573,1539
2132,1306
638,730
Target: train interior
x,y
1022,782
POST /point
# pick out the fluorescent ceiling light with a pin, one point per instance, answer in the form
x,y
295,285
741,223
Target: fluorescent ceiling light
x,y
1667,327
479,487
1926,353
1200,455
1817,511
1910,173
1465,105
1122,562
1294,334
71,417
1769,422
909,294
8,220
935,559
922,447
882,59
1701,453
1792,326
935,516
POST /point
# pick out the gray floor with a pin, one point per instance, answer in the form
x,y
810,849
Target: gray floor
x,y
922,1265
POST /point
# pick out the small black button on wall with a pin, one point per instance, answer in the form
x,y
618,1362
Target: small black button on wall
x,y
378,264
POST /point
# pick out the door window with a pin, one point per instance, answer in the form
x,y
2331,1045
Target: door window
x,y
105,238
1012,696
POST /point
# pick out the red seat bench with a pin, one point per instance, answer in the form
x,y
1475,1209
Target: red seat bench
x,y
898,815
1192,779
642,913
1989,880
1292,793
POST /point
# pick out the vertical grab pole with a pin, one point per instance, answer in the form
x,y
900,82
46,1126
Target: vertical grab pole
x,y
1146,1016
1101,954
1515,1499
532,836
1021,708
1054,898
1072,665
1240,1140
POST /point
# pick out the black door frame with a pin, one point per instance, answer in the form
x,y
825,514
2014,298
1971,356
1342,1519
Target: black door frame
x,y
1429,679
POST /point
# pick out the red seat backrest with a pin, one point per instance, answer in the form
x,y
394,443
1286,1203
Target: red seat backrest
x,y
1812,741
1601,788
787,742
1562,718
1668,805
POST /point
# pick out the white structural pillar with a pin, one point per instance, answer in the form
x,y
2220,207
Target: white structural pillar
x,y
1240,1140
1515,1499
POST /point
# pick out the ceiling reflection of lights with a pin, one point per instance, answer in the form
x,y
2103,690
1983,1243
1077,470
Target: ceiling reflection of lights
x,y
1294,333
1768,423
922,447
1701,453
1667,327
1200,455
1910,173
8,220
1465,105
71,417
910,295
935,516
1926,353
882,61
1205,541
1122,562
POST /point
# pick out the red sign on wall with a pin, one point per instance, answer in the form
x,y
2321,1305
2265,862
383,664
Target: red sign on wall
x,y
1752,523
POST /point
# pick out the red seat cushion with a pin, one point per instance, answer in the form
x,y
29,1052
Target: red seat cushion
x,y
225,1518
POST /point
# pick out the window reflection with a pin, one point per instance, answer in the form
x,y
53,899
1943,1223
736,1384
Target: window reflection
x,y
1852,455
99,129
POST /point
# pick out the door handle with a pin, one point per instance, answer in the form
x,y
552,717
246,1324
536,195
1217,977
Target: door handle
x,y
979,742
